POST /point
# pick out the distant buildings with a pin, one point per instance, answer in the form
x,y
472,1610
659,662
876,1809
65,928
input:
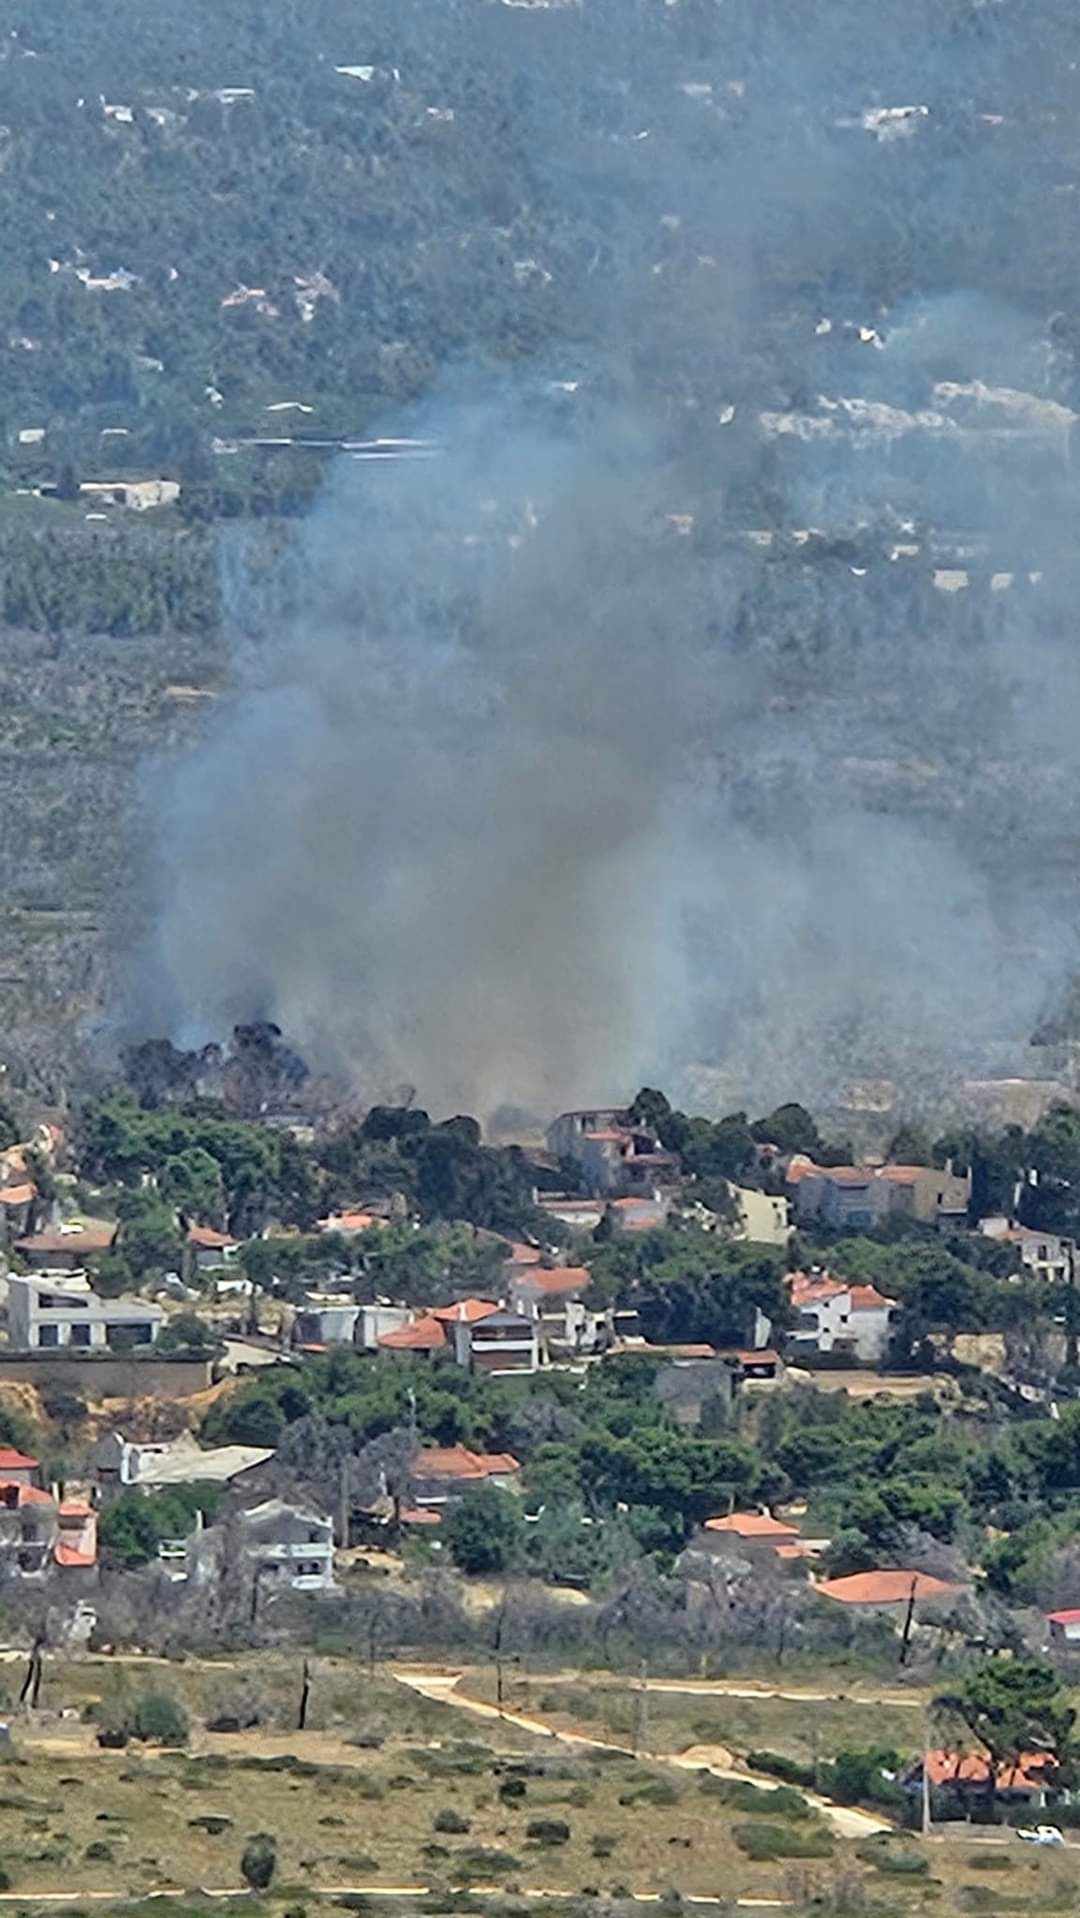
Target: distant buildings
x,y
857,1198
616,1156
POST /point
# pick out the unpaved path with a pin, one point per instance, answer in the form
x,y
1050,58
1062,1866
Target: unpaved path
x,y
337,1891
441,1688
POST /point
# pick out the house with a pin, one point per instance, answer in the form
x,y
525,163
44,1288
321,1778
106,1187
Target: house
x,y
350,1224
378,1318
1045,1255
424,1337
17,1468
211,1251
286,1547
27,1528
967,1775
43,1314
66,1247
581,1215
503,1342
551,1297
645,1214
855,1198
17,1202
441,1473
75,1548
1064,1627
616,1156
889,1591
753,1535
118,1462
831,1316
759,1217
325,1319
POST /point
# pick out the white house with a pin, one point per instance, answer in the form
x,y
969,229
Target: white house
x,y
1044,1254
287,1547
832,1316
44,1313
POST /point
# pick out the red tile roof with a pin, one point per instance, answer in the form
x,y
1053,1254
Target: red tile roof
x,y
867,1298
13,1461
457,1462
210,1241
885,1588
25,1494
521,1254
417,1515
752,1525
902,1174
76,1543
557,1279
810,1288
17,1194
351,1222
465,1312
423,1335
94,1236
1071,1617
767,1357
973,1768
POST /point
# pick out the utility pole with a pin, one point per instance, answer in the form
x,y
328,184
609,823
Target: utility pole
x,y
343,1505
905,1639
1071,1328
641,1710
926,1807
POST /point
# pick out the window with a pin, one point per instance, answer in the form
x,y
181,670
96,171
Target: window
x,y
122,1336
80,1335
48,1335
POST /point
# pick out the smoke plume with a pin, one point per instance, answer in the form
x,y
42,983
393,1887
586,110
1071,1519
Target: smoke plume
x,y
709,698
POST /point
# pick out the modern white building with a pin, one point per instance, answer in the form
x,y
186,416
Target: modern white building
x,y
45,1312
834,1317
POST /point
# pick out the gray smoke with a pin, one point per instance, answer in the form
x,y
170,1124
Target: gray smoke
x,y
711,699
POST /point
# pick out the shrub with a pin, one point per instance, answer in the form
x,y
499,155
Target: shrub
x,y
215,1822
988,1861
742,1795
895,1864
100,1850
654,1791
113,1738
158,1719
512,1788
548,1831
777,1765
603,1844
258,1862
5,1879
352,1901
482,1862
450,1820
765,1842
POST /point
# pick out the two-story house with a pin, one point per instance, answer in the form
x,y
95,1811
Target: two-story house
x,y
617,1157
44,1313
833,1316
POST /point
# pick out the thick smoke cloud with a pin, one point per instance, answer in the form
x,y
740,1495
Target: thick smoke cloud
x,y
710,699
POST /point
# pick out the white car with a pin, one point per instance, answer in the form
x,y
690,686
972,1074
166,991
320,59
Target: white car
x,y
1041,1835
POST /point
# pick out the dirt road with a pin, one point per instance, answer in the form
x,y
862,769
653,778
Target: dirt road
x,y
441,1688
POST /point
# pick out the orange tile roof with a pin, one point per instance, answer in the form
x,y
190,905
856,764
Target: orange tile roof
x,y
800,1167
885,1588
752,1525
13,1461
17,1194
351,1222
557,1278
521,1254
809,1288
423,1335
465,1312
27,1494
211,1241
417,1515
797,1548
96,1236
456,1461
973,1768
867,1298
765,1357
902,1174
